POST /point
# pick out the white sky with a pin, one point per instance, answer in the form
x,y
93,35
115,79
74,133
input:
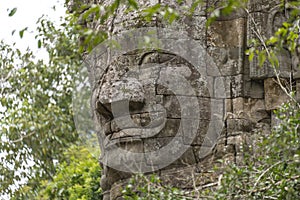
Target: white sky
x,y
28,12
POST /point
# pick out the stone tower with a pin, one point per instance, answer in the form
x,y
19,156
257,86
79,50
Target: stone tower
x,y
176,109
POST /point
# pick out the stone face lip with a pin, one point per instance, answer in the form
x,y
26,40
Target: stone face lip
x,y
143,125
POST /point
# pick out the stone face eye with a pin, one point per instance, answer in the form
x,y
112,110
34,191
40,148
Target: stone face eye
x,y
104,110
135,107
120,108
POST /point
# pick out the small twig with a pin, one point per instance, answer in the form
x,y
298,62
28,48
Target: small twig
x,y
194,185
264,172
22,138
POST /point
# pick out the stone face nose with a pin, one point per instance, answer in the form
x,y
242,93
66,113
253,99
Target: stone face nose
x,y
121,96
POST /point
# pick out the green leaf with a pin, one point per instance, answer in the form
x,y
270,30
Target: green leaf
x,y
12,12
39,44
286,25
92,10
195,4
251,56
134,4
261,58
21,33
274,59
272,40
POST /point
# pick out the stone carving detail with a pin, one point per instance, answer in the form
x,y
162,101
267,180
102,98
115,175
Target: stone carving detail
x,y
267,23
157,115
137,113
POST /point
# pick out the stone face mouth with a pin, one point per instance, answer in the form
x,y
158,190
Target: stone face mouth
x,y
133,127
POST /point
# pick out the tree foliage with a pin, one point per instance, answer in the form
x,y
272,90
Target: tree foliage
x,y
275,172
36,120
78,177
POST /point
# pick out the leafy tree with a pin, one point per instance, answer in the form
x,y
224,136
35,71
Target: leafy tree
x,y
36,120
78,177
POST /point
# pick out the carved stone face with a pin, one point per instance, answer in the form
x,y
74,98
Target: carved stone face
x,y
153,112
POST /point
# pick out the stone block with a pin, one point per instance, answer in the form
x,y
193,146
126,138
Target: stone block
x,y
205,177
298,90
247,108
181,79
296,66
267,70
184,6
116,190
111,176
234,86
238,107
127,160
194,131
186,107
180,178
257,22
262,5
257,110
240,159
296,61
201,152
194,27
227,34
171,129
215,131
228,60
107,196
221,151
274,95
161,152
238,125
220,92
217,109
254,89
186,159
229,158
237,140
228,108
213,5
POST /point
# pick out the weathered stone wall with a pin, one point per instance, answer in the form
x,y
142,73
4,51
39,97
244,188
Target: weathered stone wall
x,y
251,92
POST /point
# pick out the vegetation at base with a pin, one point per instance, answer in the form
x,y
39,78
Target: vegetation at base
x,y
273,174
78,177
141,187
